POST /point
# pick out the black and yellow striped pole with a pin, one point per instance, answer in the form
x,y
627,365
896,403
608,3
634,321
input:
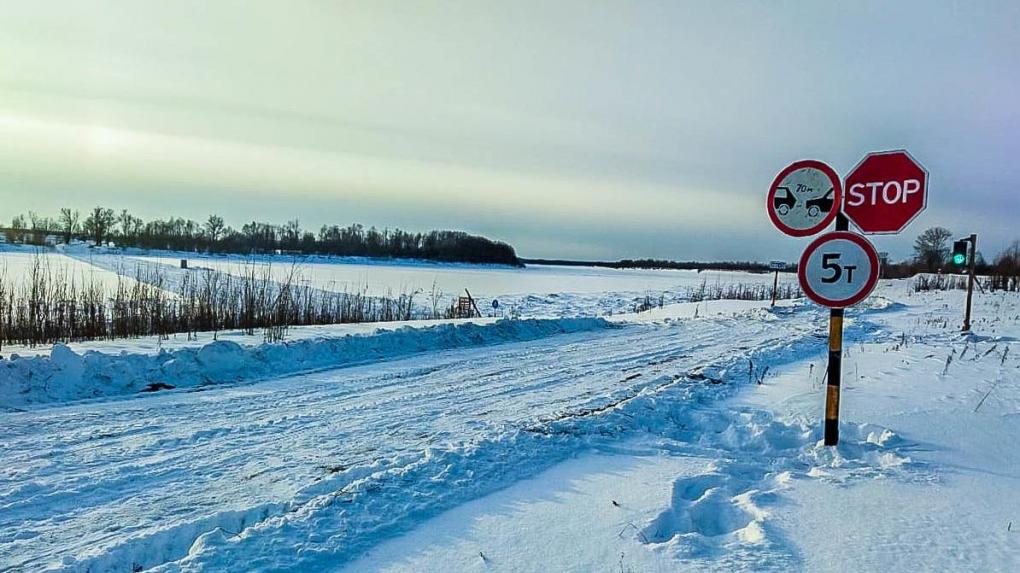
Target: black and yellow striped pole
x,y
834,373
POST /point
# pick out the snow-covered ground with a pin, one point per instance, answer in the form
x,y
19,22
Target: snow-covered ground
x,y
17,262
686,438
394,275
927,477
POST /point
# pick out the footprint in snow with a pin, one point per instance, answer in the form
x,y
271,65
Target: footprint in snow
x,y
720,518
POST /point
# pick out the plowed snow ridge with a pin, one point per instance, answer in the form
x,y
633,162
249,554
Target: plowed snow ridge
x,y
65,375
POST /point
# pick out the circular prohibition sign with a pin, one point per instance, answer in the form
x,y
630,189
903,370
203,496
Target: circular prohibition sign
x,y
838,269
804,198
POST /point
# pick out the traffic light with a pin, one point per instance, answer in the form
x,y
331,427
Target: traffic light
x,y
960,249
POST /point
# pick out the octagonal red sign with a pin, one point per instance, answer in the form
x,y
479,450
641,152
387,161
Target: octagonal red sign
x,y
885,192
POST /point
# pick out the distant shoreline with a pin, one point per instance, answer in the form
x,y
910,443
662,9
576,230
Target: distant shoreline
x,y
643,264
283,258
656,264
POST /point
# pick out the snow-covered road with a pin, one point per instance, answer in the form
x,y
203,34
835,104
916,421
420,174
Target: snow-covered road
x,y
195,480
926,476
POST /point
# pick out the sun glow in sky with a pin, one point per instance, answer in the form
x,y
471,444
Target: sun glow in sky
x,y
569,129
105,140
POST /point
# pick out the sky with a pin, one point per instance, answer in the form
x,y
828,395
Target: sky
x,y
570,129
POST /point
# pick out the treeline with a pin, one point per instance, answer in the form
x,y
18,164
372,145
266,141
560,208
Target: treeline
x,y
747,266
104,226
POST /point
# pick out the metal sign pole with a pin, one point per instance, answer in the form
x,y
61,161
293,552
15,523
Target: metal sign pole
x,y
775,285
970,281
835,370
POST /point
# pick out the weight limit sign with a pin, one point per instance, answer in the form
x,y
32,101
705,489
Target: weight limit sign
x,y
838,269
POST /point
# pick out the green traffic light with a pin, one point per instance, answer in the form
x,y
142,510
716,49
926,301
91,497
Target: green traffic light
x,y
959,259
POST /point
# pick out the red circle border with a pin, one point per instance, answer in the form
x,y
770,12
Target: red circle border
x,y
837,184
862,242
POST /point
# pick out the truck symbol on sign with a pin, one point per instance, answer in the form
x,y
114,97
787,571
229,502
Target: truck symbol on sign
x,y
784,204
804,198
821,204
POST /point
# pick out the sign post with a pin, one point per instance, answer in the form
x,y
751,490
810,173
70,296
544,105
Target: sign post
x,y
837,270
883,262
970,280
776,266
833,377
883,194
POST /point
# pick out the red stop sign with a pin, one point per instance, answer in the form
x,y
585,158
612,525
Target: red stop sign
x,y
885,192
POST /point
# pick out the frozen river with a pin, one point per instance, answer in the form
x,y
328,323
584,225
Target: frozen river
x,y
585,290
535,290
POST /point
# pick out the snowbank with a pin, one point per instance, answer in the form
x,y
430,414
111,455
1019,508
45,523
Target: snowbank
x,y
65,375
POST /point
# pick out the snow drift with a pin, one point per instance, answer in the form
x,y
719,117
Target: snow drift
x,y
65,375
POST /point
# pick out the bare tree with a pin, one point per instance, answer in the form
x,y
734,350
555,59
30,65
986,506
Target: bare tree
x,y
68,223
1011,255
292,233
99,223
931,249
16,233
129,224
1006,273
214,227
